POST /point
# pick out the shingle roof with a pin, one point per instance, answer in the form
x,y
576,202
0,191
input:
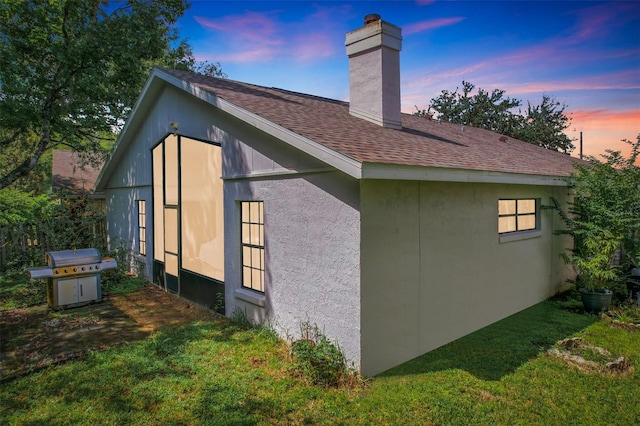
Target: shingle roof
x,y
73,174
421,142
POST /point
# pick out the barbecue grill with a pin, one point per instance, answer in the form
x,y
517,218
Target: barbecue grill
x,y
73,276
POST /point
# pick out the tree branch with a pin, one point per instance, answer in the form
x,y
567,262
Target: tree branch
x,y
28,164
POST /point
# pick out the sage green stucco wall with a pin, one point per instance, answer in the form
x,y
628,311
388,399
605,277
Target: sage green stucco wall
x,y
433,268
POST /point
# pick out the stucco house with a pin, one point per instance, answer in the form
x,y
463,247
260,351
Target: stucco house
x,y
393,233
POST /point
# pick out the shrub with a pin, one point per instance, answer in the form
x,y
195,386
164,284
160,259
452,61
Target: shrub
x,y
319,359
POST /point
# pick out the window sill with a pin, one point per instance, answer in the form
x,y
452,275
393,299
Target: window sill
x,y
518,236
250,296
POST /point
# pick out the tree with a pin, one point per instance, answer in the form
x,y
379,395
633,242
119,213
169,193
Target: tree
x,y
543,124
70,70
605,213
485,110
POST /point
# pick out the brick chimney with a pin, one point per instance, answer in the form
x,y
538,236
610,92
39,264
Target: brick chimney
x,y
374,72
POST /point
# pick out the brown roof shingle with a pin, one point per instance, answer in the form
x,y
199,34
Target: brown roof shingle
x,y
74,174
421,142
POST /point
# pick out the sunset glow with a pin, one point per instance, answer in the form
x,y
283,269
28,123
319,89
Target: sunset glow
x,y
586,55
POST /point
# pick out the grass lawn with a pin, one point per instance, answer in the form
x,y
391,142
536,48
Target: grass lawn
x,y
216,372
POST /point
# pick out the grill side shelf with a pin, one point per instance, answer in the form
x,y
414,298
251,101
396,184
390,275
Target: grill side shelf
x,y
40,272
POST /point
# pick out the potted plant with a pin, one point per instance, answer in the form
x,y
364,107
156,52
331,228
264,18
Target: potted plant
x,y
596,270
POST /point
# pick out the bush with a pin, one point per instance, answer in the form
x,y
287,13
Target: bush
x,y
318,358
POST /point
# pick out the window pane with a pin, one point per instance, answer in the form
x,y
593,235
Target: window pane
x,y
245,212
255,257
246,235
246,256
246,277
255,235
506,207
256,280
526,206
526,222
171,230
506,224
171,264
255,212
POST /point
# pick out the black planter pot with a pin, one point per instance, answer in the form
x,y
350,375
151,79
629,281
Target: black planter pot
x,y
597,300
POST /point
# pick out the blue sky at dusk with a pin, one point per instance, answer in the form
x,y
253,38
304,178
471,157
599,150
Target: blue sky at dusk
x,y
586,54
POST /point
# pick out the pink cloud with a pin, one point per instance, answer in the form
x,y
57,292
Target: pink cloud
x,y
623,80
607,119
252,26
313,46
430,25
260,37
593,22
247,56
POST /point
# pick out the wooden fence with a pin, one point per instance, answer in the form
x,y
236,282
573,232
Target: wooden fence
x,y
24,245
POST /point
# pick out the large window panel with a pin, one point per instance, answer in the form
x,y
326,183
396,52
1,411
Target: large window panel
x,y
158,205
202,210
171,169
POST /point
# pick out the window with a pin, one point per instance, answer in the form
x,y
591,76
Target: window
x,y
517,215
142,227
252,235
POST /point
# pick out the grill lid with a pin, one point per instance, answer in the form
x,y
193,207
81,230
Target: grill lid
x,y
72,257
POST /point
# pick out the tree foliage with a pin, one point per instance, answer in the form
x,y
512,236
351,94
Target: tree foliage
x,y
33,224
70,70
542,124
604,217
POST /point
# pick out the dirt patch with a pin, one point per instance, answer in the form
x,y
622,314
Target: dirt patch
x,y
589,358
36,337
153,308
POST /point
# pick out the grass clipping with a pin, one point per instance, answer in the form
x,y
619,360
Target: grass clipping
x,y
588,358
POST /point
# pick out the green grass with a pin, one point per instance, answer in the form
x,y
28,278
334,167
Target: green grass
x,y
220,373
17,290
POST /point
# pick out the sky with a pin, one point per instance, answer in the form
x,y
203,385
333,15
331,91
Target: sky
x,y
585,54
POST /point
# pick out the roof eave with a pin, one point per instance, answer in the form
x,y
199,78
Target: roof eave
x,y
440,174
333,158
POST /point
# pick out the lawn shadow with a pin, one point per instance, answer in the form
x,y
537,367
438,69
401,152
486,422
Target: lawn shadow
x,y
500,348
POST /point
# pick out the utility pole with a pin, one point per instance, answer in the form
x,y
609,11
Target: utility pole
x,y
581,145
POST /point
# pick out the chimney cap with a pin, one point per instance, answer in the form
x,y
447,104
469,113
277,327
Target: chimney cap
x,y
371,18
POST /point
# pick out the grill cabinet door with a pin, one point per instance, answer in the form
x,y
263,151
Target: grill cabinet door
x,y
87,288
67,290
